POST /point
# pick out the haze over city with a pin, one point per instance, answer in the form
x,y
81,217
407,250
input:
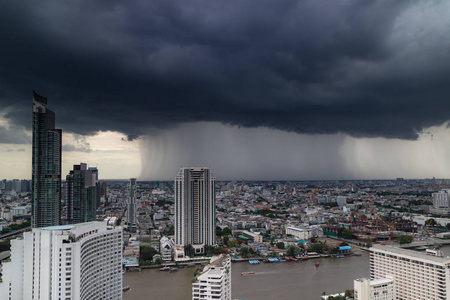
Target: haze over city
x,y
255,90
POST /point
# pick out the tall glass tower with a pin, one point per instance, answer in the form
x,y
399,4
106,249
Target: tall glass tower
x,y
46,168
195,202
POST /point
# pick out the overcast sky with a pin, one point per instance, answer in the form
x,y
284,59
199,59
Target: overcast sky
x,y
255,89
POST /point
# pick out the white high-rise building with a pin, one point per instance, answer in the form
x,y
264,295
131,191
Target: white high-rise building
x,y
416,275
341,201
131,206
195,202
71,262
440,200
379,289
215,280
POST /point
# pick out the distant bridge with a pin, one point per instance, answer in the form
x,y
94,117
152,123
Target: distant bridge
x,y
14,233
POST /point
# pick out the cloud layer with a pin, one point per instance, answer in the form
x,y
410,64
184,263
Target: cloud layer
x,y
363,68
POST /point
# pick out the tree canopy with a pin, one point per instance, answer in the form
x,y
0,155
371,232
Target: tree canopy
x,y
404,239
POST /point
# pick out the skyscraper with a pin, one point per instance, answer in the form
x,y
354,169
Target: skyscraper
x,y
81,199
82,261
195,201
131,206
46,168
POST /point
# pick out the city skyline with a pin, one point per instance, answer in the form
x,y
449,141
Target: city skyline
x,y
295,90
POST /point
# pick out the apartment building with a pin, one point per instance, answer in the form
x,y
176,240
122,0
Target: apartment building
x,y
71,262
378,289
416,275
195,201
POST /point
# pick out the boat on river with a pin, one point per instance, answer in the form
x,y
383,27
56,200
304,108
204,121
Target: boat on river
x,y
247,273
126,288
166,268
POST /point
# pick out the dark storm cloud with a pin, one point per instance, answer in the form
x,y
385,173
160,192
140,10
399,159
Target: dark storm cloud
x,y
365,68
130,138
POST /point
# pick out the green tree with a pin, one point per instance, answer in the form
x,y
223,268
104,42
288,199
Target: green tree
x,y
219,231
5,245
280,245
226,239
346,234
146,253
404,239
189,250
293,251
246,252
226,231
430,222
349,293
158,261
317,247
232,244
334,250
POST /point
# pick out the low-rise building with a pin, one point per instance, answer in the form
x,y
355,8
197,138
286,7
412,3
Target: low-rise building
x,y
379,289
299,233
167,247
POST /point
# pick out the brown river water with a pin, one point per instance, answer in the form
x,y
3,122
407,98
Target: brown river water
x,y
285,280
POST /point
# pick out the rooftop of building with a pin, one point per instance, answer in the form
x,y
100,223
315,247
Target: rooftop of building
x,y
411,253
59,227
221,261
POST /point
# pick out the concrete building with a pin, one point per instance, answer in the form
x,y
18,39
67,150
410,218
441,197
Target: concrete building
x,y
341,201
416,275
195,202
166,247
131,206
379,289
82,261
215,280
299,233
16,186
46,166
21,211
440,199
81,199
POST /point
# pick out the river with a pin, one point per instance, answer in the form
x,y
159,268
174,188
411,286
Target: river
x,y
286,280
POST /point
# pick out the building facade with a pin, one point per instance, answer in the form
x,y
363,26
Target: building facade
x,y
131,206
215,280
81,195
341,201
195,202
69,262
416,275
440,199
166,248
299,233
46,166
379,289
